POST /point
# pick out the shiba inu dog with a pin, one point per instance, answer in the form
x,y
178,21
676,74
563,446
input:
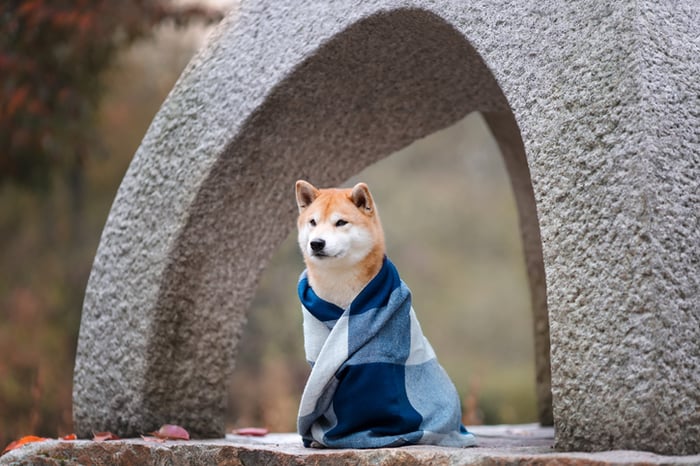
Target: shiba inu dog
x,y
375,380
341,239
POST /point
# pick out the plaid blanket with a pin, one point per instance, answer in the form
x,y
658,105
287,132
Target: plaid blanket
x,y
375,381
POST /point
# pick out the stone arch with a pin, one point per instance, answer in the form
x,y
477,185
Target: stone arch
x,y
382,83
284,93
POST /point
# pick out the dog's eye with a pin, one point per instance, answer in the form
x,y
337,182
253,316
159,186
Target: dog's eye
x,y
312,222
340,223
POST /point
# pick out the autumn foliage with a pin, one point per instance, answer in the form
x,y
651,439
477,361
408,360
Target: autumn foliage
x,y
53,54
59,107
166,432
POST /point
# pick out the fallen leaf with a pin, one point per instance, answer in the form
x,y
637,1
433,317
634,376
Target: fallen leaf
x,y
69,437
23,441
171,432
152,439
104,436
251,431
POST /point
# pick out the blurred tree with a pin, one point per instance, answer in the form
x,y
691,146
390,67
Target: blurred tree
x,y
64,87
53,54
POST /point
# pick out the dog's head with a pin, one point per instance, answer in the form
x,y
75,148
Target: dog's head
x,y
338,227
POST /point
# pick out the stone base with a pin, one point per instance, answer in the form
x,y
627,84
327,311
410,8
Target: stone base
x,y
521,444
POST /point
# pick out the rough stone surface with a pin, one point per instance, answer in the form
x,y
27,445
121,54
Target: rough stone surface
x,y
498,445
603,99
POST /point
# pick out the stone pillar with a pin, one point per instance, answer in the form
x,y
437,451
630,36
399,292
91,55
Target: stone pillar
x,y
617,177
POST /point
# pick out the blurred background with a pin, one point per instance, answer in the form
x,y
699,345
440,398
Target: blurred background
x,y
80,82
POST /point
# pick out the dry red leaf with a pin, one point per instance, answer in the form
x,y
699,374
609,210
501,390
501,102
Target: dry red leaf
x,y
23,441
103,436
171,432
69,437
251,431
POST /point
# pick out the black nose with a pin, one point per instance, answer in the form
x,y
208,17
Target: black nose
x,y
317,245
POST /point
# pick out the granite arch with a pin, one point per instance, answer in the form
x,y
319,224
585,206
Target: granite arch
x,y
203,204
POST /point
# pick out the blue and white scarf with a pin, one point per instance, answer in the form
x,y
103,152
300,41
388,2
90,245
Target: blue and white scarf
x,y
375,381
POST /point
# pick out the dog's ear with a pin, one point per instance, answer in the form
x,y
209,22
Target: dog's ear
x,y
362,198
306,194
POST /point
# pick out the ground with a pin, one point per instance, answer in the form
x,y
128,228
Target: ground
x,y
519,444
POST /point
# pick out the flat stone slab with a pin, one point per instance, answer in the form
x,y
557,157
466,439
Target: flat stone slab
x,y
519,444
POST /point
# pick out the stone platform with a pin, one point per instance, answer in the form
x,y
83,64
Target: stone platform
x,y
499,445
